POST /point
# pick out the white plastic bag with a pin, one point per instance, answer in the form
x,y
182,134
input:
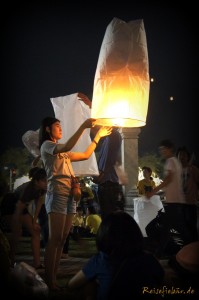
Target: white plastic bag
x,y
145,210
31,280
30,140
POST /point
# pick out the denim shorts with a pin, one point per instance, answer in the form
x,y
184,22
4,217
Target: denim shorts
x,y
59,203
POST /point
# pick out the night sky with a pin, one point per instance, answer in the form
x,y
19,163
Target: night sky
x,y
51,50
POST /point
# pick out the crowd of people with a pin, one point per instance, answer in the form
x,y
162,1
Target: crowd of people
x,y
46,207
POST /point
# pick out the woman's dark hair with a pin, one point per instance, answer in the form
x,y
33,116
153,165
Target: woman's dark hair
x,y
119,236
43,134
37,173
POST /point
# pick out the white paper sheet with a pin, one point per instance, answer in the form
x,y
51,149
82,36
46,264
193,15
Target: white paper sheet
x,y
72,112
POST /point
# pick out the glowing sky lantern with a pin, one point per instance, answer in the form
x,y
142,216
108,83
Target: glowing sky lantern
x,y
121,84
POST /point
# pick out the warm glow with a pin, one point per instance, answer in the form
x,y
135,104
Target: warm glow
x,y
125,107
121,86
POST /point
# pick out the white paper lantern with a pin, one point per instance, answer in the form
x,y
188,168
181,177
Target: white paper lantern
x,y
121,84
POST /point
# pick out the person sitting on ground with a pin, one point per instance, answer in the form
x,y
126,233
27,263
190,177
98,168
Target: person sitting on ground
x,y
147,184
86,190
121,269
116,271
86,195
93,221
78,224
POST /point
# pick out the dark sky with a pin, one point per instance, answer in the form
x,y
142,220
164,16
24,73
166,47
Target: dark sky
x,y
51,50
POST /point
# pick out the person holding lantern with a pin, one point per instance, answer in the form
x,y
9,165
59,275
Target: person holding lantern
x,y
59,202
110,192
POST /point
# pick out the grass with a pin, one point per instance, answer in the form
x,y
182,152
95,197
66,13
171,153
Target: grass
x,y
83,249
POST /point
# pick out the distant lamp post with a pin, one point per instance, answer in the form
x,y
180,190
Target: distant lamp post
x,y
121,85
13,173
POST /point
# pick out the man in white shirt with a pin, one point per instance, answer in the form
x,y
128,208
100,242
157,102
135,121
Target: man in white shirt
x,y
174,196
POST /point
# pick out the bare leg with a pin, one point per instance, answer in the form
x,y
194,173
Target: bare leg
x,y
35,238
54,247
16,228
67,227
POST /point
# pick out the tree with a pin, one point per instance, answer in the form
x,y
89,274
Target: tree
x,y
14,162
152,161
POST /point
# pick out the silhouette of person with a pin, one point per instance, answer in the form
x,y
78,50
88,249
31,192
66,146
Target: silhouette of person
x,y
190,179
110,192
119,262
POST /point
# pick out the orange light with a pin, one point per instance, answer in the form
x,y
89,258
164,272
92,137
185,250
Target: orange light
x,y
121,86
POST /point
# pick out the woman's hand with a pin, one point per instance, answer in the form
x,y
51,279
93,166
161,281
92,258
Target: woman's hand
x,y
104,131
84,98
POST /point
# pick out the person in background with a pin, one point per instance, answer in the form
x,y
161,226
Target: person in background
x,y
93,221
110,192
147,184
42,216
27,194
174,196
190,179
116,271
59,202
77,231
65,250
87,195
78,224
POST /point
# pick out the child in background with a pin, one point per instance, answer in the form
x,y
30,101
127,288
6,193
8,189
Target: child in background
x,y
146,184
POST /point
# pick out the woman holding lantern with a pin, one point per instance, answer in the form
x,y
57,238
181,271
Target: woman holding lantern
x,y
59,202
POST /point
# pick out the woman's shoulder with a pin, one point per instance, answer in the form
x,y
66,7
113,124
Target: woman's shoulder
x,y
48,144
